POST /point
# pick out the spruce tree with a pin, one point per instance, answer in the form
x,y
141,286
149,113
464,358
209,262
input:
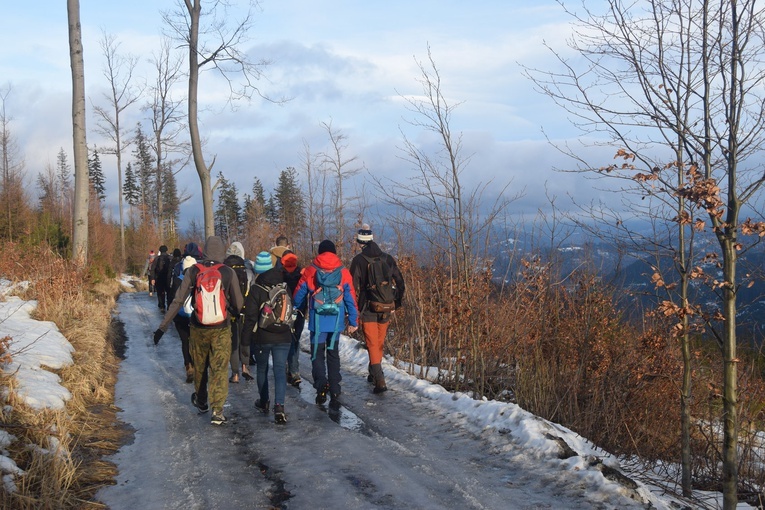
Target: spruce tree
x,y
290,204
131,189
96,175
228,214
170,202
145,172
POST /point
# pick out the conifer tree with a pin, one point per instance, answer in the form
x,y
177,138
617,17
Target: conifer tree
x,y
228,214
131,188
63,185
290,203
145,174
170,200
96,176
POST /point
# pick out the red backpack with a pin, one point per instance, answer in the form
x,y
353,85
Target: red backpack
x,y
209,297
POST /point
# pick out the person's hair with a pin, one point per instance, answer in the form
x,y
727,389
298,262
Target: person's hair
x,y
281,241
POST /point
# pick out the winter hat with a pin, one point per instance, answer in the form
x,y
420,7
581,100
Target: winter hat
x,y
193,250
188,261
177,253
289,261
365,234
262,262
163,249
236,248
327,245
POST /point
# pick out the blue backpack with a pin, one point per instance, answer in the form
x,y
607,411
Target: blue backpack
x,y
328,300
186,309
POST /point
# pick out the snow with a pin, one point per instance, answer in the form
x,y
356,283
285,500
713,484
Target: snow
x,y
416,446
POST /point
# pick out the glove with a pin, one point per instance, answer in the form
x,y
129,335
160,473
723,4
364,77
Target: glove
x,y
157,335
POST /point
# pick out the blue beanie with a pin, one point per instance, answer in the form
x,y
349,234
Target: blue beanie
x,y
263,262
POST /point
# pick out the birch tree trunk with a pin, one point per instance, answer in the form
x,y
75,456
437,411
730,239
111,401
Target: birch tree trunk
x,y
81,192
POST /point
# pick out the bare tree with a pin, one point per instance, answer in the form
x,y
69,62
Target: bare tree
x,y
677,85
217,44
341,167
453,220
12,190
81,189
167,124
316,197
118,72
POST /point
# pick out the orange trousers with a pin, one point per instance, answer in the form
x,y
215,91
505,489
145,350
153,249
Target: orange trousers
x,y
374,336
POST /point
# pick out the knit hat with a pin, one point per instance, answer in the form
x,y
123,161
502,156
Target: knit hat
x,y
289,261
188,261
365,234
193,250
327,245
262,262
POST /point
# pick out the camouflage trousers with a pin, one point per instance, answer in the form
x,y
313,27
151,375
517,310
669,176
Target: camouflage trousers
x,y
213,344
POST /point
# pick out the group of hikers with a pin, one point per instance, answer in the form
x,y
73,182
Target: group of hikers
x,y
230,311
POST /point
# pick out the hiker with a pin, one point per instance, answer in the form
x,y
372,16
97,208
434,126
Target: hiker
x,y
328,288
175,258
379,290
159,269
292,272
216,297
272,339
240,351
277,251
182,321
147,271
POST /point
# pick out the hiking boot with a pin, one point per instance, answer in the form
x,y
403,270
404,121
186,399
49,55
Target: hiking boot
x,y
189,373
379,389
370,378
321,395
234,379
334,396
279,415
293,379
246,373
217,418
262,406
202,406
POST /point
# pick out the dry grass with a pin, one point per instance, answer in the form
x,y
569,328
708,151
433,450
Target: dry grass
x,y
62,452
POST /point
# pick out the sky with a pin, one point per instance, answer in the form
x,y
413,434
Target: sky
x,y
419,442
341,62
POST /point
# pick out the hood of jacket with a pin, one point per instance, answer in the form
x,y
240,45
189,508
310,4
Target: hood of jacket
x,y
270,277
278,251
237,249
372,250
214,249
327,261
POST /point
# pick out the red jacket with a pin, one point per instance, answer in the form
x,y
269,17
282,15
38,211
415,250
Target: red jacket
x,y
326,261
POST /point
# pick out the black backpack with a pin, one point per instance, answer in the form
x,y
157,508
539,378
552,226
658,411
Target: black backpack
x,y
241,275
276,314
163,263
381,289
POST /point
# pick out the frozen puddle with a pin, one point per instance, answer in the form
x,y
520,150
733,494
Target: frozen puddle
x,y
338,414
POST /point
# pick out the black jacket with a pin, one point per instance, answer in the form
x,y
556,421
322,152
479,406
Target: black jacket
x,y
359,267
256,297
